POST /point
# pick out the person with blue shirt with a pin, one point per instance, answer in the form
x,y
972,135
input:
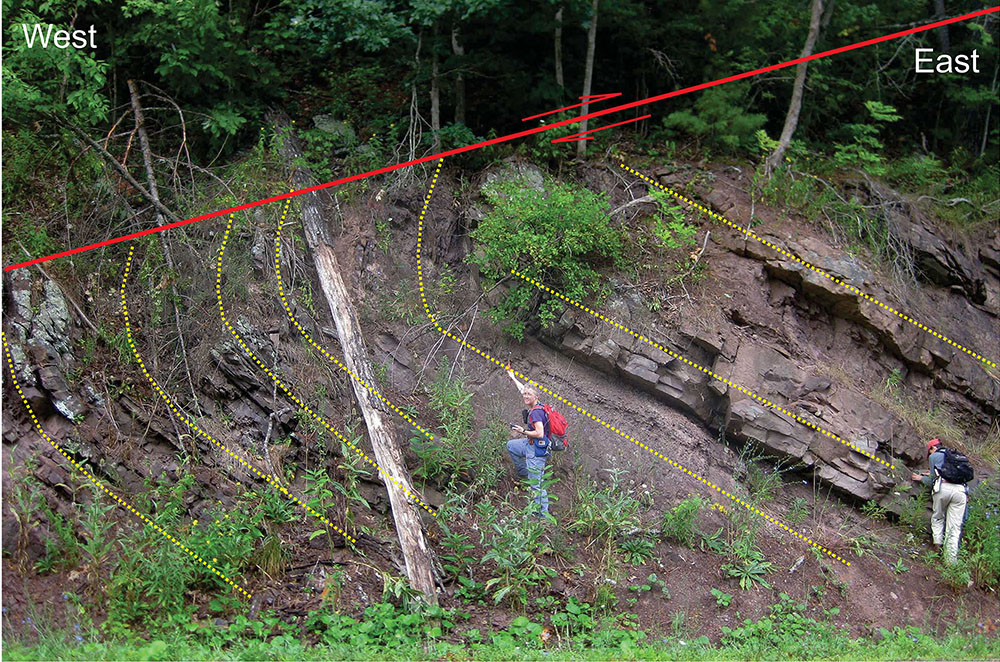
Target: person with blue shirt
x,y
530,452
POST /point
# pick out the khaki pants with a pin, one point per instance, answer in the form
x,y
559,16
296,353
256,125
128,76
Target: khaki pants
x,y
946,521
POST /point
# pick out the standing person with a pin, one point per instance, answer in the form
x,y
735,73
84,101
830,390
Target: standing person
x,y
530,452
950,497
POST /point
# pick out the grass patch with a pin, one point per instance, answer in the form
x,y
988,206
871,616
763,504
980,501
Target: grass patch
x,y
389,632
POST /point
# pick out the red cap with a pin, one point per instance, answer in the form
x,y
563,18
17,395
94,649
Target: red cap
x,y
932,443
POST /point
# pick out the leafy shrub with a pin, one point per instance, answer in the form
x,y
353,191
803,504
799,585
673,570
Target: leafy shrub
x,y
539,146
678,524
459,135
637,550
785,633
515,546
749,572
981,535
719,117
149,587
865,151
557,236
670,227
921,172
914,512
604,513
451,457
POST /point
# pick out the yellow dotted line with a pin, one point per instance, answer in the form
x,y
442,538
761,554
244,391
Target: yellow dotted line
x,y
305,334
819,271
703,369
124,504
191,424
222,312
488,357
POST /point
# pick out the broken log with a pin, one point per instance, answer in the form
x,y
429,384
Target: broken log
x,y
417,554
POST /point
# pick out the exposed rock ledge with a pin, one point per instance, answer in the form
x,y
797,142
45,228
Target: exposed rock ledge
x,y
763,370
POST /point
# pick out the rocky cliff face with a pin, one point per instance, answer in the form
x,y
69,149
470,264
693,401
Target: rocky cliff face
x,y
810,346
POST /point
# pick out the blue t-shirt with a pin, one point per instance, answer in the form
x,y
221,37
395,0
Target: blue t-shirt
x,y
535,415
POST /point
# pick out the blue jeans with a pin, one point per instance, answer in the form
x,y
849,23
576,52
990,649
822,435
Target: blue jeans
x,y
522,454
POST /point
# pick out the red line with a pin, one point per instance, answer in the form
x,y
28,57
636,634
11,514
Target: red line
x,y
593,98
511,136
576,136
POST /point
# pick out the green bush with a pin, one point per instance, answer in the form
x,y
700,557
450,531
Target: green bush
x,y
452,457
720,119
865,151
920,172
670,227
981,535
557,236
150,586
604,513
516,550
785,633
678,523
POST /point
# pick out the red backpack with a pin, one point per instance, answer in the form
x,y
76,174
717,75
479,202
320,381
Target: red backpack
x,y
557,428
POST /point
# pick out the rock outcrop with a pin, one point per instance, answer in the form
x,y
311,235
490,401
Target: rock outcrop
x,y
40,323
763,370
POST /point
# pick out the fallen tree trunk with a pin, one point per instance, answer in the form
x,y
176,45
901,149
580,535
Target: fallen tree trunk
x,y
417,555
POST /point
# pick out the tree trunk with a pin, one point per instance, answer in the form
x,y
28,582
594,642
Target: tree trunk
x,y
795,106
581,146
559,68
459,51
989,109
406,515
942,34
435,95
147,159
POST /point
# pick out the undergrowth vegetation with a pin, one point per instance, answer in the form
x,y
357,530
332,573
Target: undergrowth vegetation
x,y
558,235
572,632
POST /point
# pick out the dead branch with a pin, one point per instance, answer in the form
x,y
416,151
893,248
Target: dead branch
x,y
165,245
638,201
123,172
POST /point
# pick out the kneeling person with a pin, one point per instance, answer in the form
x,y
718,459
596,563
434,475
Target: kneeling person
x,y
530,452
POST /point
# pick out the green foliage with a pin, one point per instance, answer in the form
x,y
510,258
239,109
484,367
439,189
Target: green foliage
x,y
637,550
720,118
604,513
721,599
981,534
452,457
873,511
914,513
652,581
67,82
516,548
785,632
799,511
678,524
557,236
319,147
62,550
750,572
539,146
386,631
866,150
456,561
670,227
762,481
